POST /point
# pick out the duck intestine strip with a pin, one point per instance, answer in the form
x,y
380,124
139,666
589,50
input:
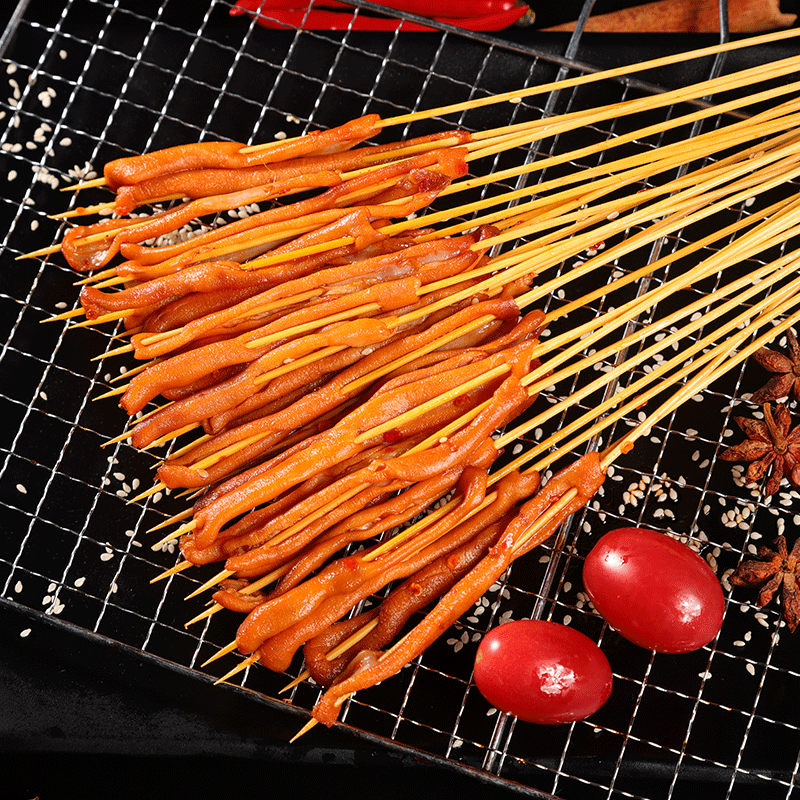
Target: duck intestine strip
x,y
571,488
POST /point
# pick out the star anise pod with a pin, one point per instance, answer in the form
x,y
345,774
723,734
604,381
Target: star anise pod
x,y
770,446
774,570
787,372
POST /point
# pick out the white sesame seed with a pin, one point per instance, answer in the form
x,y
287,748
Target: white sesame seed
x,y
79,582
21,489
24,634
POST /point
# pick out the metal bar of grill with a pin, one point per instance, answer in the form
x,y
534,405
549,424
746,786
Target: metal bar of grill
x,y
88,82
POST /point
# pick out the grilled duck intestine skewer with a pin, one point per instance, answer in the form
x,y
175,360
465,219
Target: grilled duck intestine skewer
x,y
722,139
569,491
518,94
742,290
697,274
765,308
347,135
723,257
731,126
659,230
617,319
506,259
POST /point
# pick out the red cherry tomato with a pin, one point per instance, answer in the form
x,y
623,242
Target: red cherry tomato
x,y
542,672
657,592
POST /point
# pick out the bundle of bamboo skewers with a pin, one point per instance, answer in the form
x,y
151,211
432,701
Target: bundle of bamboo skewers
x,y
339,363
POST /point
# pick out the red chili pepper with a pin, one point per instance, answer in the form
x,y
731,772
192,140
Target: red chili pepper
x,y
448,9
344,20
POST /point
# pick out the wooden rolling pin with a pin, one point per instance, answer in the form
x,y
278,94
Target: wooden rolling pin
x,y
689,16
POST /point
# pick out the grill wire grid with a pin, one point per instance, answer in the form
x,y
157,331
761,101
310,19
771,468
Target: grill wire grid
x,y
87,82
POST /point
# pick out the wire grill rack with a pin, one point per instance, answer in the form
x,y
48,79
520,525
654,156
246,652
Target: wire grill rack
x,y
89,81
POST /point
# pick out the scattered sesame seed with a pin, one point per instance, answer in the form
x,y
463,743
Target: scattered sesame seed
x,y
21,489
24,634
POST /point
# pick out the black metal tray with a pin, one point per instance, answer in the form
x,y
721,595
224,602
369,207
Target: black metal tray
x,y
109,79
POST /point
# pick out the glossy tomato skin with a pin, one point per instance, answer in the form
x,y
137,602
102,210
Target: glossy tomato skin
x,y
655,591
542,672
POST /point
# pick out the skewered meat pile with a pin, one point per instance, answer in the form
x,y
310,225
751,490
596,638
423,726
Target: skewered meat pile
x,y
333,370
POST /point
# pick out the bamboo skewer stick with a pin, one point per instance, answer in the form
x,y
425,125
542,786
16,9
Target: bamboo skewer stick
x,y
495,134
618,72
719,362
601,324
751,280
721,183
746,286
572,372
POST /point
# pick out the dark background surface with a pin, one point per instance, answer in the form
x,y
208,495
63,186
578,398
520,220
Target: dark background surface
x,y
77,722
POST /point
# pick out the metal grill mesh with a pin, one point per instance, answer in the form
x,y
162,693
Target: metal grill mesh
x,y
90,81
